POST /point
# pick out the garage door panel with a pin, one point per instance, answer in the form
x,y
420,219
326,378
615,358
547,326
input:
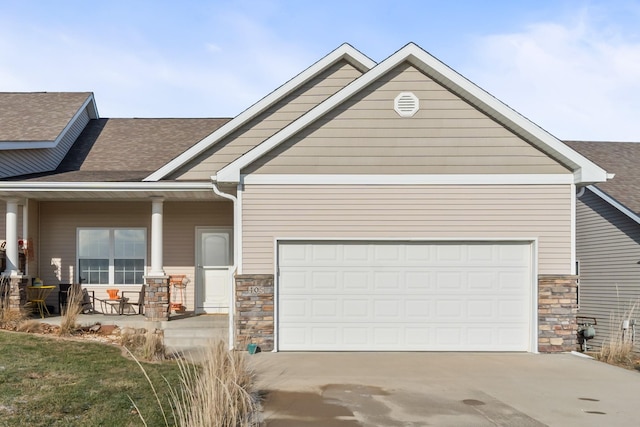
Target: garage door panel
x,y
394,296
387,336
324,309
294,309
357,280
324,279
417,310
387,281
356,310
449,280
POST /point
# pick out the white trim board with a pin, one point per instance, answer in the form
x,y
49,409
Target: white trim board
x,y
104,186
613,202
473,179
345,51
584,170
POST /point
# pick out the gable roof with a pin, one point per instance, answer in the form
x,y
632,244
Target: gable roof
x,y
32,120
620,158
111,150
343,52
584,170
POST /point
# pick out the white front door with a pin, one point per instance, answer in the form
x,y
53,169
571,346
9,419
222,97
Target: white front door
x,y
214,258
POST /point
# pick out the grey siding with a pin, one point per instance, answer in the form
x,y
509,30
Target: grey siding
x,y
60,220
22,162
541,212
608,249
269,122
365,135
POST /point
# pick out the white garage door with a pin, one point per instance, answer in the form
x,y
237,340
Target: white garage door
x,y
394,296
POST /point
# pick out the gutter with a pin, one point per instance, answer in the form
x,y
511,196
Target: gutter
x,y
234,267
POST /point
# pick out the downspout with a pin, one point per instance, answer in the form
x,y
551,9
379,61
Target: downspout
x,y
232,294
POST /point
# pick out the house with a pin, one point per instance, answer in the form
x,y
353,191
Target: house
x,y
608,241
359,206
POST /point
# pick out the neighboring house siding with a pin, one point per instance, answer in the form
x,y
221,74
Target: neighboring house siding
x,y
407,212
22,162
608,249
60,220
366,136
269,122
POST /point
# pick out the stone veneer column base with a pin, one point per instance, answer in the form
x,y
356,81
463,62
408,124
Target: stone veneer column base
x,y
254,311
557,310
17,292
156,298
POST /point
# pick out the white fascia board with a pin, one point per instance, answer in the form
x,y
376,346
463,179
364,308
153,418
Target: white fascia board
x,y
453,179
92,110
17,186
345,51
613,202
584,170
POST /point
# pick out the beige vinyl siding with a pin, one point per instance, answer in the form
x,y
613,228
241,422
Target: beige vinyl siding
x,y
366,136
608,249
407,212
60,220
270,121
21,162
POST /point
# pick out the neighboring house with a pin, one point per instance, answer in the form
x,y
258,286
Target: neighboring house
x,y
608,240
360,206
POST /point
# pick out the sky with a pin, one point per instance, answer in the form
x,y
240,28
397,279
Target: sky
x,y
570,66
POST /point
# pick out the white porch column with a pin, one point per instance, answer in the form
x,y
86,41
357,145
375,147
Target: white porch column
x,y
11,247
157,266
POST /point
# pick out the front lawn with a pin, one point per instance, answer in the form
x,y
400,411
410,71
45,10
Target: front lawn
x,y
55,382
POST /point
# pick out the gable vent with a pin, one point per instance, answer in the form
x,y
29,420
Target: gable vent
x,y
406,104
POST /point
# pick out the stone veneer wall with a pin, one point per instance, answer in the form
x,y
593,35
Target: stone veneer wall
x,y
557,310
156,298
254,311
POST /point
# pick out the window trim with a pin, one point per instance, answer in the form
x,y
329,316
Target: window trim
x,y
112,253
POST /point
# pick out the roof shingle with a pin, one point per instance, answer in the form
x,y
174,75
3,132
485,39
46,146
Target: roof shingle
x,y
127,149
37,116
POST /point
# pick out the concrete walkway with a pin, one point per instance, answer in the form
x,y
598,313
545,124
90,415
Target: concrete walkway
x,y
444,389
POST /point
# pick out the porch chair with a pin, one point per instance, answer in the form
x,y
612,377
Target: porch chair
x,y
63,295
135,300
87,300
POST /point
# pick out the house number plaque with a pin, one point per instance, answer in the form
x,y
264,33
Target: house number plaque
x,y
256,290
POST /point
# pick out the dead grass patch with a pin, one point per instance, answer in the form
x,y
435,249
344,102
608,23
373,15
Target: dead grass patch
x,y
30,326
618,349
147,345
219,392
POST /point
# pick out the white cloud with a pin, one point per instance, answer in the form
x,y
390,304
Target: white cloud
x,y
576,80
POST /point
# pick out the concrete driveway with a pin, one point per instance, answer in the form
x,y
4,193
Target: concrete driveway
x,y
444,389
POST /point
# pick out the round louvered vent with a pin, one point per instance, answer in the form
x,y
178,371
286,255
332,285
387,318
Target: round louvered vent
x,y
406,104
